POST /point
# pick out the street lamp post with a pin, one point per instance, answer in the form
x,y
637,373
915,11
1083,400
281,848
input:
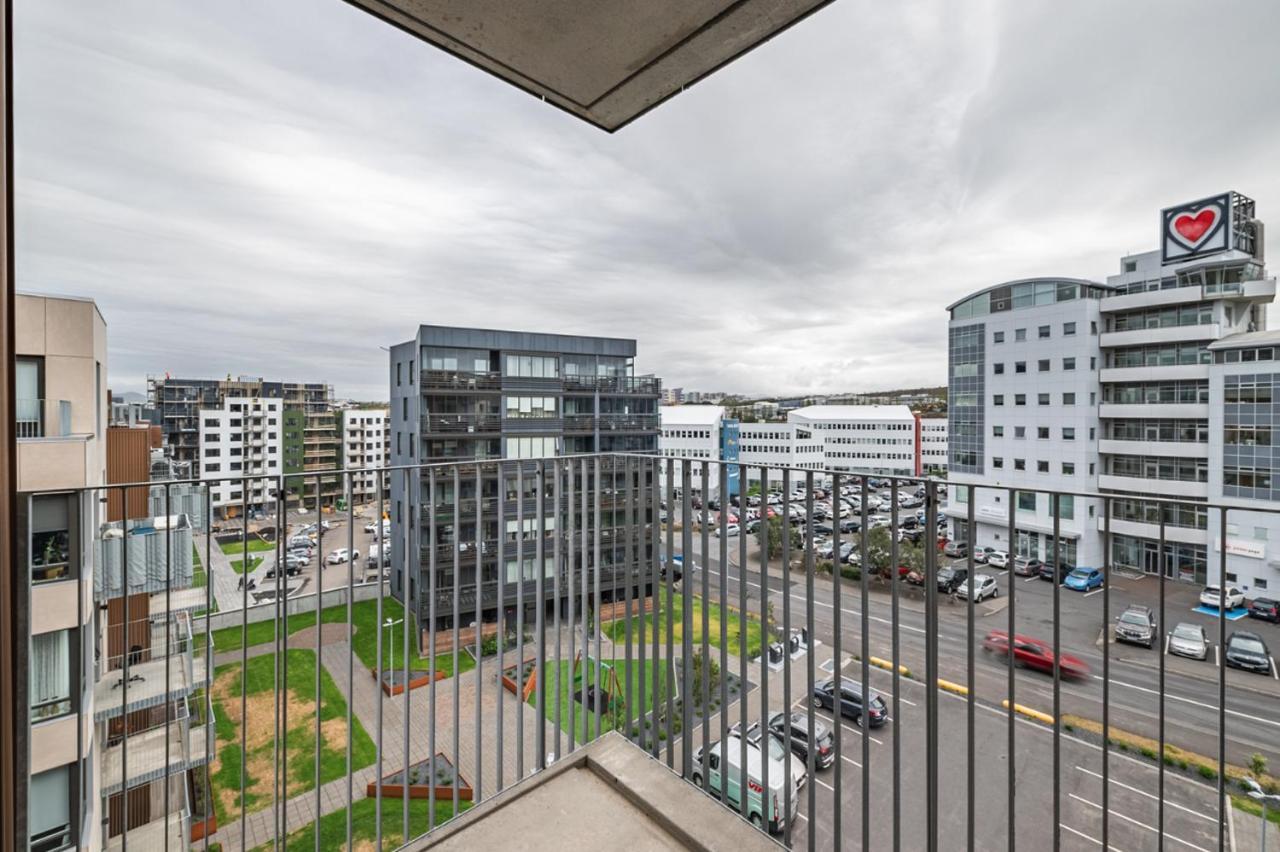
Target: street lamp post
x,y
390,623
1259,795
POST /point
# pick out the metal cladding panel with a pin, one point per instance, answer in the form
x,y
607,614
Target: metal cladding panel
x,y
606,61
524,341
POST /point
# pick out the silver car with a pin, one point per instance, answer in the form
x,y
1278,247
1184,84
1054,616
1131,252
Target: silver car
x,y
1188,640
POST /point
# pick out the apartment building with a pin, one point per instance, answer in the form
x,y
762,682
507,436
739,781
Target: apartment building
x,y
309,430
1077,386
364,445
931,439
242,437
477,394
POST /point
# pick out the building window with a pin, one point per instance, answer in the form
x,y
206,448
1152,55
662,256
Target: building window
x,y
1043,332
1068,329
1019,399
998,399
1026,501
1042,467
1019,464
997,461
50,538
1067,399
1020,366
1068,468
998,368
530,407
997,431
1019,431
1019,334
1068,363
1068,433
1042,432
1042,399
51,822
1093,326
50,675
997,337
1043,365
533,366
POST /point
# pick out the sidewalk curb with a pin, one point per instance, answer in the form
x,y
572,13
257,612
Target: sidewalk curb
x,y
1028,712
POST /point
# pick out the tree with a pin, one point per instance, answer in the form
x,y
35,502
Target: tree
x,y
774,528
713,678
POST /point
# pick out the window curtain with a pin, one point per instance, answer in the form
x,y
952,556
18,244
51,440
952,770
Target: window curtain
x,y
50,669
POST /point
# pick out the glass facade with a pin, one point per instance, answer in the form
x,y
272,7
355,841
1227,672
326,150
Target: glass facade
x,y
1250,454
966,426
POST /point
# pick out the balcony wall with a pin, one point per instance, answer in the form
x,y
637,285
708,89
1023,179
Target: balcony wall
x,y
1164,449
1154,487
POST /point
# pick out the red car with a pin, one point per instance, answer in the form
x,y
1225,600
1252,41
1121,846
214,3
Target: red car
x,y
1034,654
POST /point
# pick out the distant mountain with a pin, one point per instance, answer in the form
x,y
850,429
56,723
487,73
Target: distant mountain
x,y
131,396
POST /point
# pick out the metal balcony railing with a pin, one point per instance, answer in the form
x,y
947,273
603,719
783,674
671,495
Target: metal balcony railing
x,y
941,716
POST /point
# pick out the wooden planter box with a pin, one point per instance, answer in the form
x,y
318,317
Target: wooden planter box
x,y
200,829
393,786
417,678
509,675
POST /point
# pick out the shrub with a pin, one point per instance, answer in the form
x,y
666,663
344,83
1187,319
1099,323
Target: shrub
x,y
1258,763
1207,772
1149,753
851,572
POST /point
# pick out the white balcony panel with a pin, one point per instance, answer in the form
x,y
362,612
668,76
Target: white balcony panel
x,y
1164,449
1154,487
1183,535
1151,299
1173,334
1181,411
1174,372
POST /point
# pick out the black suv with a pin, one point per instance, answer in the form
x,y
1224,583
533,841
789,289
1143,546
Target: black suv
x,y
1265,609
1046,571
824,756
950,578
1247,651
850,700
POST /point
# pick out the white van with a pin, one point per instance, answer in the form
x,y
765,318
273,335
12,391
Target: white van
x,y
762,810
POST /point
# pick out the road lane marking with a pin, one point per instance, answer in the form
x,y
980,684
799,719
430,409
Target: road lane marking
x,y
1169,695
1154,798
1029,579
1087,837
1139,823
1094,592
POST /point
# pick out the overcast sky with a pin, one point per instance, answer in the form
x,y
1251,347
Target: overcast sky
x,y
280,188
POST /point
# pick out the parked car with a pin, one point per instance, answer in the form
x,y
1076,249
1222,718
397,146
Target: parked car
x,y
303,553
850,701
342,555
1188,640
1265,609
1027,566
1034,654
290,570
777,751
1247,651
956,549
724,776
1083,579
980,555
798,722
1047,571
372,526
998,559
950,578
1212,597
1137,626
729,530
300,541
984,586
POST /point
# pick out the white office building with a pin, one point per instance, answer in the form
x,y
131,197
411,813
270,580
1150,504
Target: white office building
x,y
242,438
364,447
1074,386
691,432
933,445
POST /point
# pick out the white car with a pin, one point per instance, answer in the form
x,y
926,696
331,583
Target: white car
x,y
984,587
998,559
341,555
1212,597
730,530
372,526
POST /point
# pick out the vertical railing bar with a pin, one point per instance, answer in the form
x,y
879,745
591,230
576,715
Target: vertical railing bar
x,y
597,567
837,651
1012,761
410,519
457,615
1163,566
284,664
500,493
669,602
1057,669
208,655
381,667
244,661
631,560
931,672
168,639
705,553
656,572
571,547
1222,682
742,632
279,783
810,568
807,546
764,643
319,666
432,626
478,787
521,679
124,680
970,699
351,652
555,594
540,620
865,628
1106,672
786,647
642,501
724,601
897,651
584,584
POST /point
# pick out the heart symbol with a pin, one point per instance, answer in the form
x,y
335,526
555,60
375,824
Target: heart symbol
x,y
1192,226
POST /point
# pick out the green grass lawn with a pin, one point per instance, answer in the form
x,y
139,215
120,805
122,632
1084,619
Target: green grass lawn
x,y
364,615
364,814
256,545
585,728
258,725
674,610
237,565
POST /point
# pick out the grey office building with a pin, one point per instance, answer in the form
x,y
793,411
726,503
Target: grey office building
x,y
471,397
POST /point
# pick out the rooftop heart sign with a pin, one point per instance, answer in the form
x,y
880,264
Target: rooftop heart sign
x,y
1194,229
